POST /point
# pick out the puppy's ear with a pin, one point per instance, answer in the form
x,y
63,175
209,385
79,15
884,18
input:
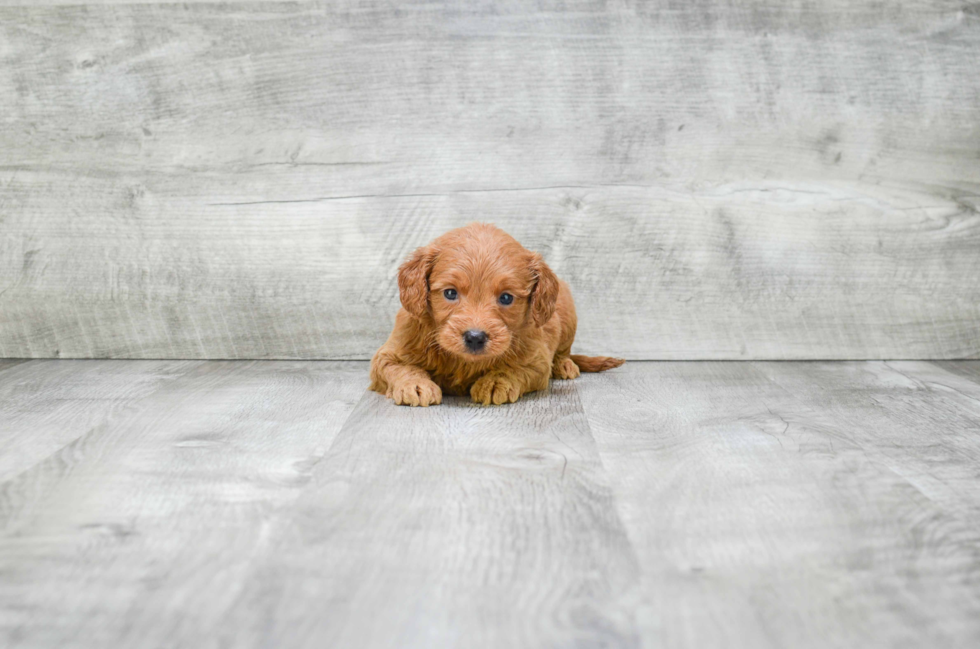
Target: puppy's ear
x,y
413,281
544,295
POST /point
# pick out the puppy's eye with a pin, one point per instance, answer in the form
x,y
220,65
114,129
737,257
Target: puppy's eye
x,y
506,299
450,294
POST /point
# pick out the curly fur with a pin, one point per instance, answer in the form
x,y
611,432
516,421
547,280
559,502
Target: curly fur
x,y
529,341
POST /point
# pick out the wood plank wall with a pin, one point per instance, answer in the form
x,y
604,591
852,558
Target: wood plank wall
x,y
748,180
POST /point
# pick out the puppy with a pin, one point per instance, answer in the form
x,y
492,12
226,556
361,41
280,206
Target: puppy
x,y
481,316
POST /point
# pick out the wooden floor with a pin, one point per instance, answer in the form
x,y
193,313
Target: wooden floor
x,y
278,504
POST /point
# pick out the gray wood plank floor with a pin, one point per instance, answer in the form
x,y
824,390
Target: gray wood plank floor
x,y
278,504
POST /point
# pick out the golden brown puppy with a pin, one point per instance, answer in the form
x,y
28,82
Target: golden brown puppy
x,y
481,315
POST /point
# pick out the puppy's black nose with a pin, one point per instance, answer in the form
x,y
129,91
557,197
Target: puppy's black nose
x,y
475,340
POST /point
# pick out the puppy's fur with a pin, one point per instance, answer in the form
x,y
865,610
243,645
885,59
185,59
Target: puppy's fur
x,y
527,341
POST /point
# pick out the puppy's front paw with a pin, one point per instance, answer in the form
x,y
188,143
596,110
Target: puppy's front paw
x,y
415,392
496,389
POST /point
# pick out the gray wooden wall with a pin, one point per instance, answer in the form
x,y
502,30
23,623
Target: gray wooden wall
x,y
715,179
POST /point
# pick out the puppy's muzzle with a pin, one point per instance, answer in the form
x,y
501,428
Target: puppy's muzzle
x,y
475,340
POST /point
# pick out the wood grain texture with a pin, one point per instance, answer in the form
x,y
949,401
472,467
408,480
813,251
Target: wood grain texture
x,y
455,525
969,370
46,405
252,504
236,180
140,532
805,505
932,415
95,3
7,363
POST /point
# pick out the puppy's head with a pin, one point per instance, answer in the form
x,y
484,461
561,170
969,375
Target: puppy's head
x,y
480,288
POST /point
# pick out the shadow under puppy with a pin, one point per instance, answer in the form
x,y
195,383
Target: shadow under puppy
x,y
481,315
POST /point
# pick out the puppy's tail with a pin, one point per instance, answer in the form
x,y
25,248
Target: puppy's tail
x,y
596,363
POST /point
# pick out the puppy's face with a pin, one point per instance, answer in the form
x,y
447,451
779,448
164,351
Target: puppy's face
x,y
480,288
477,304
